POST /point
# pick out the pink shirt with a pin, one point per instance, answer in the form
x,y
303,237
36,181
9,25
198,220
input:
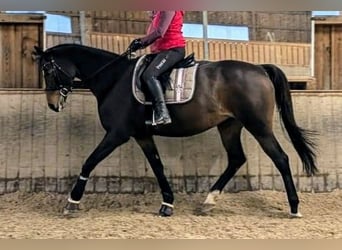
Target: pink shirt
x,y
165,31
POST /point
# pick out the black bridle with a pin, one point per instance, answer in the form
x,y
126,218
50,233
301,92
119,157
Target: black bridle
x,y
52,68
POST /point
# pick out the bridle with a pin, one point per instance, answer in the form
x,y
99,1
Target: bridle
x,y
52,67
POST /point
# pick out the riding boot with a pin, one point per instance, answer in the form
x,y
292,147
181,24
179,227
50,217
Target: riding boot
x,y
161,113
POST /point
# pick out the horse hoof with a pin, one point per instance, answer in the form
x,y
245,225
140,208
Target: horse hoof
x,y
71,210
295,215
165,211
206,208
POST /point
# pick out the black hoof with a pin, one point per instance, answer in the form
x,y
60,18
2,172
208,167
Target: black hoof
x,y
165,211
71,209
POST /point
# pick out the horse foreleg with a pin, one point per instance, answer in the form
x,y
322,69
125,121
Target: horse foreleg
x,y
105,147
150,150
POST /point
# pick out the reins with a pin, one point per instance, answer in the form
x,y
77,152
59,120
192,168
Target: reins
x,y
127,52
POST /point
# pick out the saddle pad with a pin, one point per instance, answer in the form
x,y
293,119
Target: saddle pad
x,y
182,85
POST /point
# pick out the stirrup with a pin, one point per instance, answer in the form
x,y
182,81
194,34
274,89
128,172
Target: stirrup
x,y
162,121
154,118
153,121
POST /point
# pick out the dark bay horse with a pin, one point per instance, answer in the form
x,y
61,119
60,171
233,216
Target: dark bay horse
x,y
229,94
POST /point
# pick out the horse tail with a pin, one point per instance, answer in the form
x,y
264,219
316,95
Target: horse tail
x,y
300,138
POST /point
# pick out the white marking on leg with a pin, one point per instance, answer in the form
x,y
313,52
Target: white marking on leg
x,y
72,201
296,215
167,204
83,178
212,197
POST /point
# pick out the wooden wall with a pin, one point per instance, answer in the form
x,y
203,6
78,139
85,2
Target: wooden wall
x,y
124,22
280,26
328,49
293,58
295,54
41,150
18,35
53,39
277,26
18,70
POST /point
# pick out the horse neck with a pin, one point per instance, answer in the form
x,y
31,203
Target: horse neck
x,y
100,71
90,62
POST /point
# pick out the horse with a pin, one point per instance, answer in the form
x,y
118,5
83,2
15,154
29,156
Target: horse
x,y
229,95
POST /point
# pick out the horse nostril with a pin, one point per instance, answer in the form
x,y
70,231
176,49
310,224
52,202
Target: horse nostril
x,y
51,106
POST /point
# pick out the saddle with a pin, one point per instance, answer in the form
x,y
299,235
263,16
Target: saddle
x,y
178,83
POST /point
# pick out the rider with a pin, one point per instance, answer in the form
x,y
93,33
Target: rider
x,y
165,36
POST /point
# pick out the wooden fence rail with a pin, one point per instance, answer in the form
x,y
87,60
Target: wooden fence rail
x,y
257,52
293,58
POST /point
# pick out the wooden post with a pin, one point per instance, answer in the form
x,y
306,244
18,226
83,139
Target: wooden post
x,y
312,52
85,27
205,34
254,29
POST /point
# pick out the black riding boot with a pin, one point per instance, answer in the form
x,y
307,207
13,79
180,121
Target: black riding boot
x,y
160,110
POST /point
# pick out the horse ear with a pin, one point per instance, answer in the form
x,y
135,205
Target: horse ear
x,y
37,53
38,50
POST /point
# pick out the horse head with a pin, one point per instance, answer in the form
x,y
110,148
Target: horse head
x,y
59,73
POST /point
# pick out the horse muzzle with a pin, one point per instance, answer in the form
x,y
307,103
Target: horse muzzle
x,y
55,100
53,107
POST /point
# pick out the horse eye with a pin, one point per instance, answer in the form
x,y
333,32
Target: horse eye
x,y
47,71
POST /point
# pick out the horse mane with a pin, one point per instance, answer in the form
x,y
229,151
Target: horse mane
x,y
94,50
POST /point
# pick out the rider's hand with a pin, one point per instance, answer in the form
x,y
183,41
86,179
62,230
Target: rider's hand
x,y
135,45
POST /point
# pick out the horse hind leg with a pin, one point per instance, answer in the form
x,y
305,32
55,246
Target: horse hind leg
x,y
230,133
273,149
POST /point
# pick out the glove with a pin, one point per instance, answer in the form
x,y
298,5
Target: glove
x,y
135,45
